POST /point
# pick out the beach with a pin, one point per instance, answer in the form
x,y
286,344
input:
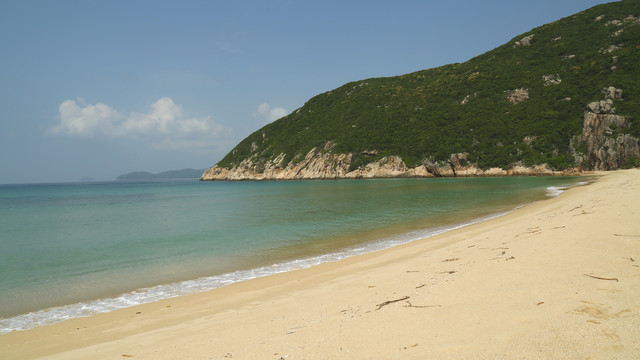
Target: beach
x,y
558,278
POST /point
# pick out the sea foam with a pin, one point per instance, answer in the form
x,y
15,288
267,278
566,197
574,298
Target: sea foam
x,y
554,191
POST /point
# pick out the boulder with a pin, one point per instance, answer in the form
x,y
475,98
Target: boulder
x,y
525,41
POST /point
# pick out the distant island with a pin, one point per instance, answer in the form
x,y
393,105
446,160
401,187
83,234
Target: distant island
x,y
171,174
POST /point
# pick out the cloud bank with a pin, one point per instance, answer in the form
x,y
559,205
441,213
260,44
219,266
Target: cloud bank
x,y
269,114
165,124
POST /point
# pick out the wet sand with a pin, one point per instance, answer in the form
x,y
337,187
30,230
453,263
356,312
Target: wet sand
x,y
558,278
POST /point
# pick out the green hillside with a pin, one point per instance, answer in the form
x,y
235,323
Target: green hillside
x,y
470,107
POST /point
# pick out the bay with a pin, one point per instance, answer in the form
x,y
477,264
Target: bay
x,y
69,250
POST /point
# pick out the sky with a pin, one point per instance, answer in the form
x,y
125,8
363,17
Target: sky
x,y
96,89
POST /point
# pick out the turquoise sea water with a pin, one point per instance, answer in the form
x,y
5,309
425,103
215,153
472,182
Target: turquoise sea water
x,y
69,250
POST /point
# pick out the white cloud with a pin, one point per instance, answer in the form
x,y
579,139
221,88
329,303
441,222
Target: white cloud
x,y
86,120
165,124
263,108
268,114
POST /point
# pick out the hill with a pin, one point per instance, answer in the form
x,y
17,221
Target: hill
x,y
562,96
172,174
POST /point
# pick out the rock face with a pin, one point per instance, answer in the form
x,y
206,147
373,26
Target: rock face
x,y
317,164
517,95
606,145
321,164
457,165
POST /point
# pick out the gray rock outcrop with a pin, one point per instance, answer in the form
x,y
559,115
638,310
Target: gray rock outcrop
x,y
551,79
517,95
607,145
525,41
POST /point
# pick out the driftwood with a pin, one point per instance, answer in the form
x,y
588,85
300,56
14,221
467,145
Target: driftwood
x,y
390,302
626,235
602,278
421,306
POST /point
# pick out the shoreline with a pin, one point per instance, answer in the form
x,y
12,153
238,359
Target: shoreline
x,y
146,295
475,291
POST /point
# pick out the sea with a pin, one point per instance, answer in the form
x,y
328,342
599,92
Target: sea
x,y
71,250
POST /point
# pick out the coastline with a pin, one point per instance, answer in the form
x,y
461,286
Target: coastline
x,y
315,167
512,286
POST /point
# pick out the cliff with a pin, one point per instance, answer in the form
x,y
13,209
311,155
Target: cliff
x,y
607,145
561,98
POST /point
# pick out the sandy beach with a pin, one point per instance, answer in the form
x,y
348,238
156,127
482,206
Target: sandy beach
x,y
557,279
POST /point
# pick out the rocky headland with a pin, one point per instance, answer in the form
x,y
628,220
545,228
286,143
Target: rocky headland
x,y
560,99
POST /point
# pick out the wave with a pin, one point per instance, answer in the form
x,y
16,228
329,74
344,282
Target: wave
x,y
554,191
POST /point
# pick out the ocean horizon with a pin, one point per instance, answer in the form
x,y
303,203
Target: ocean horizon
x,y
78,249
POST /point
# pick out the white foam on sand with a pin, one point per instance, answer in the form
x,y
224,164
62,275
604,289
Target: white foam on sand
x,y
554,191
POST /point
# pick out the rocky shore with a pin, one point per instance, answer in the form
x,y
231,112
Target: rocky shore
x,y
322,165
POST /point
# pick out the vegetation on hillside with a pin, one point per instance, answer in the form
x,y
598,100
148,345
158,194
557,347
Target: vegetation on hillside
x,y
434,113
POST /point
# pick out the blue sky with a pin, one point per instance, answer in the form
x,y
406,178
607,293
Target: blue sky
x,y
101,88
